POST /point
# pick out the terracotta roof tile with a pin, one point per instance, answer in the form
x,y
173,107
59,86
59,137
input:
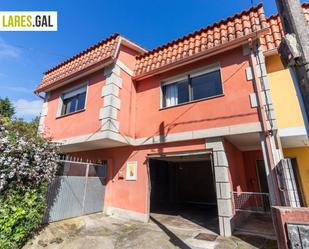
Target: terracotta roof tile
x,y
87,58
272,40
217,34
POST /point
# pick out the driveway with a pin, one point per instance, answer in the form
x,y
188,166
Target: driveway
x,y
99,231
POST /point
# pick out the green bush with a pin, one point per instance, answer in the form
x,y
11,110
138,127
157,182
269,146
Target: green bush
x,y
28,163
20,215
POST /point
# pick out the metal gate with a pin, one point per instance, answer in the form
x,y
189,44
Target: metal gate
x,y
78,189
287,183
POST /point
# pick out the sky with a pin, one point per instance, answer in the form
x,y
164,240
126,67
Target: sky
x,y
25,56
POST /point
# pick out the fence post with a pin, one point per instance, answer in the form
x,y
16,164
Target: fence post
x,y
85,189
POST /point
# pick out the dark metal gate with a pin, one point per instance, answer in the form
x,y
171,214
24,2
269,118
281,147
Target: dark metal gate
x,y
78,189
287,181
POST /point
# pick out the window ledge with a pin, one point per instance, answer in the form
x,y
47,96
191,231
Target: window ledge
x,y
191,102
71,113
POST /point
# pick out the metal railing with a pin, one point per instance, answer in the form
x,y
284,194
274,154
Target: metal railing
x,y
252,202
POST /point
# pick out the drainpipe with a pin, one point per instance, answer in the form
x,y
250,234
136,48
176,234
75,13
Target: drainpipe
x,y
266,134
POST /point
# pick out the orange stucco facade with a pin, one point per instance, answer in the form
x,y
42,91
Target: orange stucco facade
x,y
140,103
232,108
76,124
133,195
141,116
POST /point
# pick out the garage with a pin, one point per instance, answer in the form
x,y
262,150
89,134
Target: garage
x,y
183,190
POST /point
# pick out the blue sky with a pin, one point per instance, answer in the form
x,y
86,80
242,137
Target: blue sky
x,y
24,56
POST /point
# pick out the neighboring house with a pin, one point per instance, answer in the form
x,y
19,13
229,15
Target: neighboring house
x,y
195,115
286,101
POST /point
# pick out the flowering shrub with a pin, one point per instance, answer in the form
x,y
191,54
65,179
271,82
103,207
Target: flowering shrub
x,y
26,161
27,164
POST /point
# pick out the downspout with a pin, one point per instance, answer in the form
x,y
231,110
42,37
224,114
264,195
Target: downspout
x,y
266,133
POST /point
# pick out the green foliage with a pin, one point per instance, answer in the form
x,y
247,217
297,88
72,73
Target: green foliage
x,y
6,108
28,162
25,129
21,213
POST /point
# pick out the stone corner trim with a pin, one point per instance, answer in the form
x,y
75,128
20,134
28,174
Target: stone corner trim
x,y
43,115
223,185
111,101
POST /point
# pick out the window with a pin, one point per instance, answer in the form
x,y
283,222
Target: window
x,y
193,87
176,93
73,101
206,85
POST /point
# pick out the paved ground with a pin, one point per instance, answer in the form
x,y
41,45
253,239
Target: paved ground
x,y
98,231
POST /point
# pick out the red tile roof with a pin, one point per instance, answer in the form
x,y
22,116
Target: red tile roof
x,y
219,33
273,38
97,53
232,28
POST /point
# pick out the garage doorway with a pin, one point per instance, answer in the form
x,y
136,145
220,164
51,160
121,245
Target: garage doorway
x,y
183,192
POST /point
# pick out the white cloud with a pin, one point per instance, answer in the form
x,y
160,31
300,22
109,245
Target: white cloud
x,y
8,51
25,107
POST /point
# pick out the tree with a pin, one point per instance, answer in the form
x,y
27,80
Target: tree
x,y
6,108
25,129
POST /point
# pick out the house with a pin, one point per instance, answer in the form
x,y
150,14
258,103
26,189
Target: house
x,y
287,105
186,125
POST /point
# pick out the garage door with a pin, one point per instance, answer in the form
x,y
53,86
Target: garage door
x,y
78,189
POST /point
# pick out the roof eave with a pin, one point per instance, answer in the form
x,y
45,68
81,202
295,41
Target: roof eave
x,y
133,45
207,53
271,52
76,75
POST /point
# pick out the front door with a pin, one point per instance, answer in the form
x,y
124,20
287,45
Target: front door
x,y
262,177
260,168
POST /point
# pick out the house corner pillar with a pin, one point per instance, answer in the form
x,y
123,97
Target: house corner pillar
x,y
223,185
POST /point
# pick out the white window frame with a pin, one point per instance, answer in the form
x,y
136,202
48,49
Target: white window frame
x,y
183,76
62,95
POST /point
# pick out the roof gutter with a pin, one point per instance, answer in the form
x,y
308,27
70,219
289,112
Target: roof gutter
x,y
207,53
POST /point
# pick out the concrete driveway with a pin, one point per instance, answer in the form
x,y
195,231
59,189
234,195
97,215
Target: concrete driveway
x,y
98,231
